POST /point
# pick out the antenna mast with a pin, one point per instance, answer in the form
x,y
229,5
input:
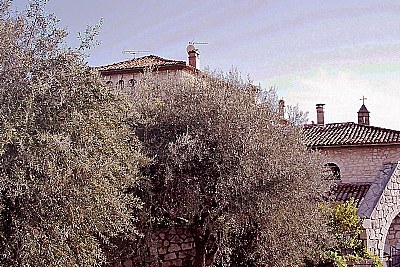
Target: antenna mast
x,y
198,43
135,52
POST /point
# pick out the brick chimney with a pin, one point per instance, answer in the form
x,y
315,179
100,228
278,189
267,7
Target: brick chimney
x,y
320,114
194,56
281,112
281,108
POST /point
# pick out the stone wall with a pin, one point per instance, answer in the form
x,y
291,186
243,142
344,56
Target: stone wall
x,y
393,236
172,247
380,208
114,79
361,164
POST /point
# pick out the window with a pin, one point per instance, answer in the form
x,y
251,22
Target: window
x,y
121,84
132,82
332,171
109,83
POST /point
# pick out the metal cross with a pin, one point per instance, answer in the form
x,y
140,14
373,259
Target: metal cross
x,y
363,98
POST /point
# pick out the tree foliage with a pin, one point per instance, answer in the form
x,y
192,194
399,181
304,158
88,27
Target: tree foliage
x,y
66,152
296,116
223,165
346,228
293,113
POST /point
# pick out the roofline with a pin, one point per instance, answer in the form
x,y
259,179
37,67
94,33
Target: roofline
x,y
310,125
355,145
155,68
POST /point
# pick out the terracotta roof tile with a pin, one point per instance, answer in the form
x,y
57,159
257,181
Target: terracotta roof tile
x,y
142,62
344,191
348,134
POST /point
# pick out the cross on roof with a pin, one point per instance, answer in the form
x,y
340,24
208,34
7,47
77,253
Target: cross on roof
x,y
363,98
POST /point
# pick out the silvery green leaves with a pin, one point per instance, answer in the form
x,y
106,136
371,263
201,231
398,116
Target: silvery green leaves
x,y
67,154
223,162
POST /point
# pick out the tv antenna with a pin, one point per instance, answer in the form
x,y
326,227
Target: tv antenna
x,y
135,52
198,43
191,46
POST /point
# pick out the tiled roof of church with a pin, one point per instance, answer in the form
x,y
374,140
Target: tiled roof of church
x,y
345,191
348,134
142,62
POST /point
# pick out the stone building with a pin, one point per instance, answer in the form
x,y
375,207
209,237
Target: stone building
x,y
125,74
365,161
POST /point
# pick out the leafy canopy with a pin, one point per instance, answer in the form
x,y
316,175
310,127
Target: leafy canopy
x,y
66,152
346,227
222,164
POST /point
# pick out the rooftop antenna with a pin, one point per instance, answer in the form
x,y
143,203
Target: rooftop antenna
x,y
191,46
194,54
135,52
198,43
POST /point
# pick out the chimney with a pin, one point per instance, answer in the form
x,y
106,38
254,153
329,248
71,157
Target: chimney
x,y
194,56
320,114
281,108
281,112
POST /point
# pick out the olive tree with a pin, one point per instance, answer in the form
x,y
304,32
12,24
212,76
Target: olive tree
x,y
67,154
225,166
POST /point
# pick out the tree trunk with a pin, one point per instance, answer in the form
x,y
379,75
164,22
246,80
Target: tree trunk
x,y
199,259
200,241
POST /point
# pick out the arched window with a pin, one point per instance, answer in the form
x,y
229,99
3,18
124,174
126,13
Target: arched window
x,y
332,171
109,83
132,82
121,84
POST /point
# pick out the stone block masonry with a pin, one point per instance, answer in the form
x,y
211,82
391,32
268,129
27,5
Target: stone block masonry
x,y
380,210
171,247
361,164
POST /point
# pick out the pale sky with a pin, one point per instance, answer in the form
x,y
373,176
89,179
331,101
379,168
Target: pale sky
x,y
330,52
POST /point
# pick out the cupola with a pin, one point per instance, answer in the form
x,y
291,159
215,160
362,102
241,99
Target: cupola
x,y
363,114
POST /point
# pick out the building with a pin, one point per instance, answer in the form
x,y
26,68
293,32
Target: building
x,y
125,74
365,161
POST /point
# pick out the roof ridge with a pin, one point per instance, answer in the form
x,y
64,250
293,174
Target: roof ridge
x,y
142,62
163,58
355,124
349,133
139,58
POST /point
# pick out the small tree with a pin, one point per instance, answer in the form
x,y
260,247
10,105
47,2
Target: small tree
x,y
223,165
346,227
66,152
